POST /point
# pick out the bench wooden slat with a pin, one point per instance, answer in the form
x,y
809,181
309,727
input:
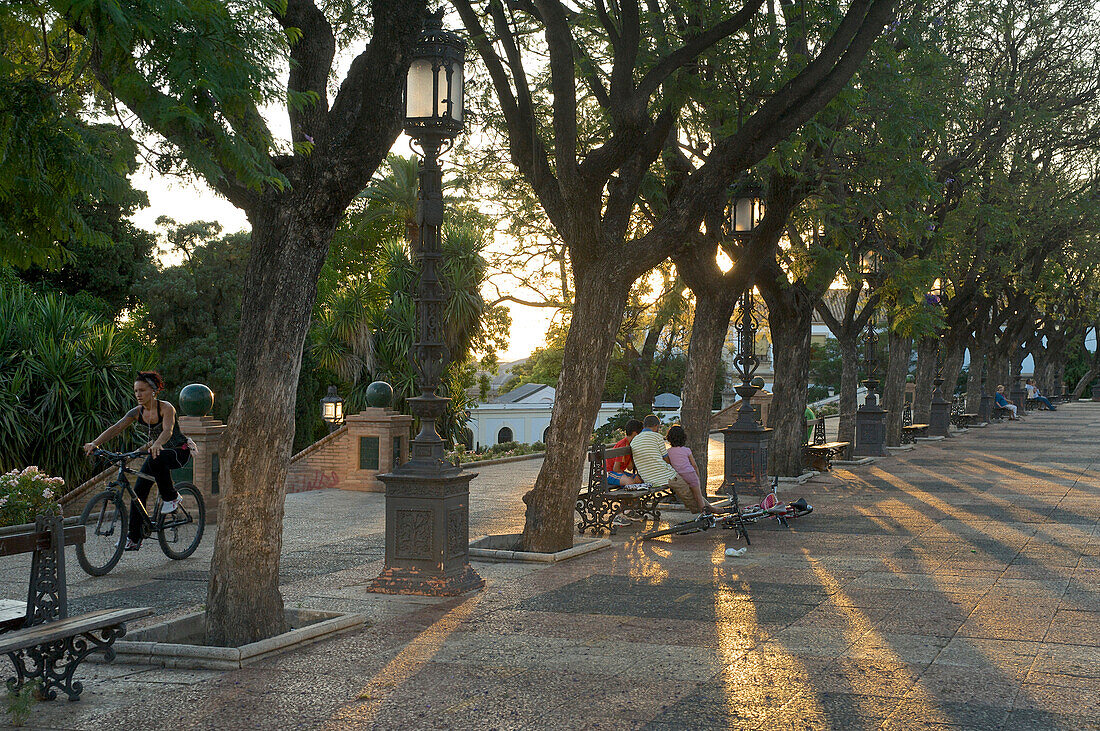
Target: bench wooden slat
x,y
60,629
827,445
26,542
613,453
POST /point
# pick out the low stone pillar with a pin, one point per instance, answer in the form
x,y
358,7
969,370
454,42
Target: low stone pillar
x,y
870,429
910,393
1018,395
985,408
939,417
196,402
379,443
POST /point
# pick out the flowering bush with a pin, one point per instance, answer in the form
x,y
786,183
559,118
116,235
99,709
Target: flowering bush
x,y
23,495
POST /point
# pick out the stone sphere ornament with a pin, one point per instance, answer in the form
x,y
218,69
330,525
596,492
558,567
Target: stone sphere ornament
x,y
196,400
379,395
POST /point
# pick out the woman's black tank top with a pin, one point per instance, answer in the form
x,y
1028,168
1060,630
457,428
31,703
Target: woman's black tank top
x,y
176,440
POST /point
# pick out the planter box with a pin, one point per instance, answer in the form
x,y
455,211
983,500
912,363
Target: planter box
x,y
175,644
504,548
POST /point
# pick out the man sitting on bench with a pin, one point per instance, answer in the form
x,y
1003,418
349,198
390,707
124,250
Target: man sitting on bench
x,y
1004,403
1034,395
651,460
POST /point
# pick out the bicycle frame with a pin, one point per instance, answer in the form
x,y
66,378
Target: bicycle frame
x,y
121,483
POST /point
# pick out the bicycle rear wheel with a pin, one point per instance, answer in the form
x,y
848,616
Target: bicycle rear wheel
x,y
180,531
105,520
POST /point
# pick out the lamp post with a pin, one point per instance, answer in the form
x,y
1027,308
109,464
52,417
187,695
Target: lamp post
x,y
427,498
985,405
939,415
746,440
332,410
871,417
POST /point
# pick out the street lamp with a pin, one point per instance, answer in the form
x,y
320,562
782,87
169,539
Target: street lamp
x,y
871,417
332,410
746,440
939,413
427,498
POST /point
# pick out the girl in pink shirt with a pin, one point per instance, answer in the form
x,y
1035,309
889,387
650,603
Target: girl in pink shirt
x,y
680,457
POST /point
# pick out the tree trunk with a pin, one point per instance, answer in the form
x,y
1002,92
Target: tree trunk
x,y
790,332
849,384
952,365
927,354
597,312
974,379
708,334
893,386
999,371
243,602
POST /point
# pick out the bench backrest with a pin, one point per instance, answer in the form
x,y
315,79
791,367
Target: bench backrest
x,y
47,598
598,454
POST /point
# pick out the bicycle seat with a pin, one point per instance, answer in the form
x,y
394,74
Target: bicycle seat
x,y
801,507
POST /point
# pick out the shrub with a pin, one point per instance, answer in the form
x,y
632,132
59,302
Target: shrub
x,y
24,495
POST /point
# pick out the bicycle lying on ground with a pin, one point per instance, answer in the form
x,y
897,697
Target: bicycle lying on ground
x,y
769,507
106,519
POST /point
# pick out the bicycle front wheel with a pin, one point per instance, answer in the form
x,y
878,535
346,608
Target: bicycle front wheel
x,y
104,521
180,531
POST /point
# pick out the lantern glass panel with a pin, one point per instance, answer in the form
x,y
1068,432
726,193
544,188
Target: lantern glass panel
x,y
329,411
747,212
419,90
457,92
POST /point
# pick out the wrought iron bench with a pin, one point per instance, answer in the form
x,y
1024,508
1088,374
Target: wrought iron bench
x,y
959,418
43,642
599,503
819,454
909,430
999,413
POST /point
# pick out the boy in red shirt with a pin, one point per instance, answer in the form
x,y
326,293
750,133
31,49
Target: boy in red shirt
x,y
620,470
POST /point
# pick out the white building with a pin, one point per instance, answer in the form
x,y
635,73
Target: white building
x,y
523,415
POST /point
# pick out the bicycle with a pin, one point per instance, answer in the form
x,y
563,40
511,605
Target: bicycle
x,y
106,519
769,507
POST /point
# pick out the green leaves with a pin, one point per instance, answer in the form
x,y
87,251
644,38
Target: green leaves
x,y
65,375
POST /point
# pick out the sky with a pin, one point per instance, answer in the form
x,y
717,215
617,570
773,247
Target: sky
x,y
195,201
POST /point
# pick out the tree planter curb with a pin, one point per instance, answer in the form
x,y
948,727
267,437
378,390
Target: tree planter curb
x,y
901,448
931,439
856,462
493,548
154,646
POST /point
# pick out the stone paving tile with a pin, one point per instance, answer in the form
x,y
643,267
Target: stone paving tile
x,y
895,647
1013,659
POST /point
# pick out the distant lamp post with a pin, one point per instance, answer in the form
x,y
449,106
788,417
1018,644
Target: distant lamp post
x,y
939,414
332,410
871,417
428,498
746,440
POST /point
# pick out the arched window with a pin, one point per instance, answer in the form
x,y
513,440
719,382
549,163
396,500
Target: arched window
x,y
545,433
505,435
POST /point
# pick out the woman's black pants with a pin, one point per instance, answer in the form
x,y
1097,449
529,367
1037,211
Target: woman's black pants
x,y
159,469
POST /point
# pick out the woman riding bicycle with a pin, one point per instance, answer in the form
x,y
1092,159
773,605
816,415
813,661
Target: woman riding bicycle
x,y
169,450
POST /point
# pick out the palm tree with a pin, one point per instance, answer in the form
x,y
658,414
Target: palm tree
x,y
65,374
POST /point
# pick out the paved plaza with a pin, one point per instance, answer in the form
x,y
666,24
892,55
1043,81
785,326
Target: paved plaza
x,y
956,585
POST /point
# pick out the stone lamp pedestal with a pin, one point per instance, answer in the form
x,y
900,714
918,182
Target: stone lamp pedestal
x,y
870,426
746,449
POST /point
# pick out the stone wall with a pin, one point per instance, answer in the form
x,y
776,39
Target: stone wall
x,y
321,465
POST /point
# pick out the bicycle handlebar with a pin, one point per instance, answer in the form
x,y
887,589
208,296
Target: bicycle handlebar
x,y
119,456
